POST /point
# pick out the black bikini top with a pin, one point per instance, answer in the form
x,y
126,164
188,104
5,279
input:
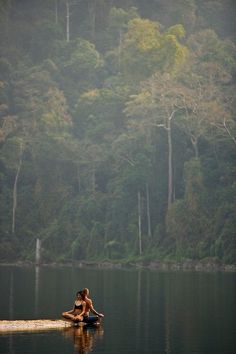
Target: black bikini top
x,y
78,307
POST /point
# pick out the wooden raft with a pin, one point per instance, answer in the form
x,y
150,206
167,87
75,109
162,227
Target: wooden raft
x,y
32,325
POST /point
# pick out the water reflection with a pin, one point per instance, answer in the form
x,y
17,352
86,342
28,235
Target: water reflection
x,y
36,291
11,298
176,312
11,310
84,337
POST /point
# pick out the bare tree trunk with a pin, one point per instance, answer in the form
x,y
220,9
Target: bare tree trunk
x,y
139,223
229,132
78,179
170,167
5,16
15,194
120,49
93,179
148,211
194,142
67,21
56,12
92,16
38,251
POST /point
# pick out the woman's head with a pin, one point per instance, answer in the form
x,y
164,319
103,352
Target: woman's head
x,y
79,294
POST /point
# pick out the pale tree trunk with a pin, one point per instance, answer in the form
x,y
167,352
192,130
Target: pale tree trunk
x,y
170,167
194,142
5,16
67,21
15,194
120,49
167,127
139,224
228,131
56,12
148,211
92,16
93,179
38,251
78,179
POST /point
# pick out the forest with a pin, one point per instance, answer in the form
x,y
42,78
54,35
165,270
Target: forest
x,y
118,130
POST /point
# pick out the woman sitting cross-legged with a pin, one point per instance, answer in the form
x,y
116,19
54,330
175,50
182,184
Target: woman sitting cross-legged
x,y
76,315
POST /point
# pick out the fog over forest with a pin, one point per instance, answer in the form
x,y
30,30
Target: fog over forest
x,y
118,130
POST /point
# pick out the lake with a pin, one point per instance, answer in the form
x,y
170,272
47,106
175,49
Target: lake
x,y
146,311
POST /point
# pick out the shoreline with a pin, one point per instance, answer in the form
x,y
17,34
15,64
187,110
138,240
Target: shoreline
x,y
205,265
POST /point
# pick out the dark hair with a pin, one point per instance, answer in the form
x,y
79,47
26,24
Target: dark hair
x,y
79,293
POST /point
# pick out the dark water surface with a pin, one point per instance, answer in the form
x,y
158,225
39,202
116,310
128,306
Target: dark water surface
x,y
146,312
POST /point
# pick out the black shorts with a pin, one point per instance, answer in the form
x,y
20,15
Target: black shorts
x,y
90,319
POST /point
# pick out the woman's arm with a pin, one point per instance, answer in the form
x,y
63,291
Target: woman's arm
x,y
83,308
92,309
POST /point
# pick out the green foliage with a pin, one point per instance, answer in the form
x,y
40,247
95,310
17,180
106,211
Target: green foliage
x,y
194,189
43,40
83,59
146,49
91,127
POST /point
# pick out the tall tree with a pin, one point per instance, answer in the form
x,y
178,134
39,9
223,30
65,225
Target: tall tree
x,y
156,106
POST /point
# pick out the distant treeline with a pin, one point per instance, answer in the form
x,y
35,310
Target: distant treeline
x,y
117,129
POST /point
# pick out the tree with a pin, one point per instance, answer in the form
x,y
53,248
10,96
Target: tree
x,y
5,9
41,111
44,38
132,155
207,103
156,106
84,58
146,49
79,65
117,132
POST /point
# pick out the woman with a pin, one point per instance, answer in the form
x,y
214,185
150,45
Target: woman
x,y
78,311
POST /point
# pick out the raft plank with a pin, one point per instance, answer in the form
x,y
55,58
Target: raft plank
x,y
32,325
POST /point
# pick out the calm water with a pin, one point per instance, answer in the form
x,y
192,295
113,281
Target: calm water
x,y
146,312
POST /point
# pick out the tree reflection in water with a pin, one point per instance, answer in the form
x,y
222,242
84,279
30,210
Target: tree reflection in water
x,y
84,337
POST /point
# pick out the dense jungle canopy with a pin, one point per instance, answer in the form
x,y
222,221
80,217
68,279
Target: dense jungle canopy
x,y
117,129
